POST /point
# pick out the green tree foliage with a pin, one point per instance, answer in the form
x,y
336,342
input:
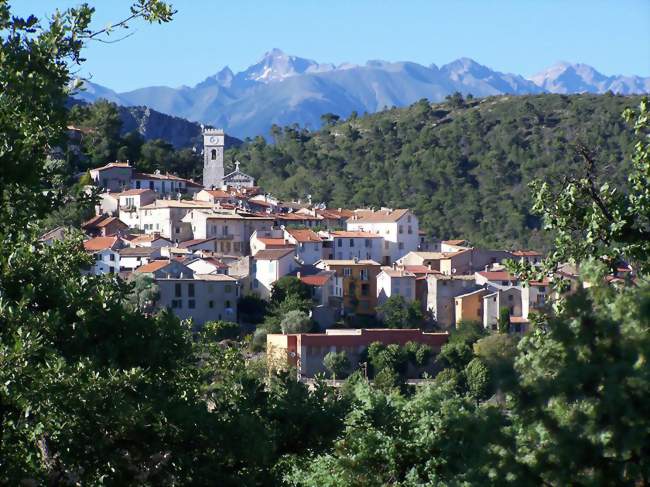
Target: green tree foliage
x,y
504,320
477,378
296,321
498,352
251,309
337,363
435,438
396,312
221,330
289,286
103,142
144,294
464,171
579,412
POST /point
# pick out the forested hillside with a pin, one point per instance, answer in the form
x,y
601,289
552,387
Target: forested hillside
x,y
463,165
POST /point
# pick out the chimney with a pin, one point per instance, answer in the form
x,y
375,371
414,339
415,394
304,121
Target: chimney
x,y
430,268
395,265
298,274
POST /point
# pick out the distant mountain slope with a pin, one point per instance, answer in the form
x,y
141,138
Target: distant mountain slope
x,y
581,78
464,167
282,89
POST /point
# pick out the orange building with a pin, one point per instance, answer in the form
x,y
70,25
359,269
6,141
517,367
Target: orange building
x,y
469,306
357,281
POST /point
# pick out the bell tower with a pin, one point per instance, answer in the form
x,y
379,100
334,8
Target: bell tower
x,y
213,143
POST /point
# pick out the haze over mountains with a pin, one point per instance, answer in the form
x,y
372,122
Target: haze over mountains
x,y
283,89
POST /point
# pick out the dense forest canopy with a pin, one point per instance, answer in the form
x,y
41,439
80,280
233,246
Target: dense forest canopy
x,y
463,166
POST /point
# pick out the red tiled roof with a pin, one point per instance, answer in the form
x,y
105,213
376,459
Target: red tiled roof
x,y
109,220
354,234
497,276
132,192
273,241
420,269
100,243
380,216
273,254
316,279
152,266
111,165
526,253
217,193
196,241
304,235
93,221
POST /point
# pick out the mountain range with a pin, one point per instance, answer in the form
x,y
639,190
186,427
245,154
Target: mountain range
x,y
283,89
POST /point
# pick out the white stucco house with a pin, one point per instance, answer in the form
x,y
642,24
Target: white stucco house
x,y
398,228
269,266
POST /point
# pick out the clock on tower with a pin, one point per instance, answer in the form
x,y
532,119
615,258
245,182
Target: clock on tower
x,y
213,145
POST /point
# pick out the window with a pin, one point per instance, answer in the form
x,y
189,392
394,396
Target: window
x,y
504,283
339,243
352,289
410,230
368,243
237,246
347,272
177,303
111,257
225,230
98,256
351,242
400,245
365,289
542,289
150,184
111,270
137,185
408,219
213,154
478,312
401,229
177,230
510,297
210,304
227,303
190,290
177,290
517,328
364,274
191,304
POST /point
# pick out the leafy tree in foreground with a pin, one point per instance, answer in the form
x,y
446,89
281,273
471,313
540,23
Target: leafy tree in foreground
x,y
337,363
396,312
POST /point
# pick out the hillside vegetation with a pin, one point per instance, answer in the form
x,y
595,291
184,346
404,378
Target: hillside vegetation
x,y
463,165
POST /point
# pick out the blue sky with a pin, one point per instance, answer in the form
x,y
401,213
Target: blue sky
x,y
521,36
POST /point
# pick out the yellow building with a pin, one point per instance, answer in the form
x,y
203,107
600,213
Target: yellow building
x,y
469,306
358,280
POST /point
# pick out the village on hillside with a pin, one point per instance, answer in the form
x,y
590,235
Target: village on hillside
x,y
206,246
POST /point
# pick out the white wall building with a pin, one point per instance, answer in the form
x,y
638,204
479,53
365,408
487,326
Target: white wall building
x,y
349,245
202,298
309,246
105,251
268,267
392,281
398,228
231,228
132,258
166,218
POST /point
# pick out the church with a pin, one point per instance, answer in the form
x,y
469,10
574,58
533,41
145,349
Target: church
x,y
213,170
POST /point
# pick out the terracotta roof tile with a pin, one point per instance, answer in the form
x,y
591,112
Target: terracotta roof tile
x,y
152,266
100,243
